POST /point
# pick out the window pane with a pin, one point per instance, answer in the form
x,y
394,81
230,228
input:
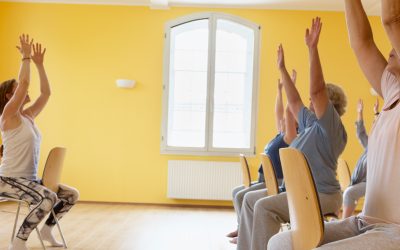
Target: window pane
x,y
233,85
188,84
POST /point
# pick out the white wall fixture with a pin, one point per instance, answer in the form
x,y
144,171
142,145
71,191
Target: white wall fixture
x,y
125,83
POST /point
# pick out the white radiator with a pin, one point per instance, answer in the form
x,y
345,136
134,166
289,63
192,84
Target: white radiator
x,y
203,180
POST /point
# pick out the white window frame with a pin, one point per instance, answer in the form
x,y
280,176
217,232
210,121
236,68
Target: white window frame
x,y
208,149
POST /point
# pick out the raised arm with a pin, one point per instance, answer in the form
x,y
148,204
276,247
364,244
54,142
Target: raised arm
x,y
41,101
17,99
279,108
361,132
290,126
370,59
318,93
280,121
294,100
391,22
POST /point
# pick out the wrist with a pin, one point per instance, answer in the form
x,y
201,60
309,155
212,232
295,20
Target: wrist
x,y
26,58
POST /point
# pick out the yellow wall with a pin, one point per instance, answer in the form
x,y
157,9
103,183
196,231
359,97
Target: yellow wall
x,y
113,135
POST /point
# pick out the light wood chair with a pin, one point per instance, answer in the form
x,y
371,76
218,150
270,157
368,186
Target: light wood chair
x,y
307,226
50,179
343,174
271,181
245,171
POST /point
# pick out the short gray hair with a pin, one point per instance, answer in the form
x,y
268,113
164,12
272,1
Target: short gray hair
x,y
337,97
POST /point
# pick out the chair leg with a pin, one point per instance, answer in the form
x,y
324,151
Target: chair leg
x,y
16,221
59,229
40,238
37,231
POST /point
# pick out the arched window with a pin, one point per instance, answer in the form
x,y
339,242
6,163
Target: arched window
x,y
210,85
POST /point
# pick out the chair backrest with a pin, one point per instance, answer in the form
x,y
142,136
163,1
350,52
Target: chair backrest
x,y
343,174
245,171
271,181
53,167
306,220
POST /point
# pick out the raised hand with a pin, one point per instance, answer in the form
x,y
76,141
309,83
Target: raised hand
x,y
360,106
312,36
294,76
38,54
281,57
25,47
376,106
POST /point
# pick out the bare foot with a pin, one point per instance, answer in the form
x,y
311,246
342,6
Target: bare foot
x,y
233,234
234,240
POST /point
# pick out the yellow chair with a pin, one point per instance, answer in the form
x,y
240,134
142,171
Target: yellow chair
x,y
50,179
307,226
245,171
343,174
271,181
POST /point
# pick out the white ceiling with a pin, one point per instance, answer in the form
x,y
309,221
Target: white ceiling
x,y
372,7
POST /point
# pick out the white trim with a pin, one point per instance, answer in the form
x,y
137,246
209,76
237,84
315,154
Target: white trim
x,y
211,79
209,149
159,4
372,10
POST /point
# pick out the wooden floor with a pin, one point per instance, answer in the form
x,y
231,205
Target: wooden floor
x,y
135,227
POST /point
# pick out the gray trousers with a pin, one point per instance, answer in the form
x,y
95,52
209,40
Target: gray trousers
x,y
350,234
238,195
353,193
262,216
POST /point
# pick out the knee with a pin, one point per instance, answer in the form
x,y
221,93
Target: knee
x,y
49,200
236,190
74,195
348,197
280,241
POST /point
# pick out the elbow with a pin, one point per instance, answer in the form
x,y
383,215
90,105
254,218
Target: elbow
x,y
391,19
315,93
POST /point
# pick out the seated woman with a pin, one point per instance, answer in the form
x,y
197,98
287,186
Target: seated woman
x,y
286,133
356,190
322,138
21,141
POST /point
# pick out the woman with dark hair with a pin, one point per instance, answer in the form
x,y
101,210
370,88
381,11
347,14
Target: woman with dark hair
x,y
21,141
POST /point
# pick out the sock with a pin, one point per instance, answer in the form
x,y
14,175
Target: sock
x,y
47,235
18,244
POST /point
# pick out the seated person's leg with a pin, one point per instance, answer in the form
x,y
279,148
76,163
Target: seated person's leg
x,y
269,213
366,237
68,196
334,231
351,196
246,217
36,195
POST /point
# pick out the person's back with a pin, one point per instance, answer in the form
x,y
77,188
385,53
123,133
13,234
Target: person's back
x,y
321,141
384,158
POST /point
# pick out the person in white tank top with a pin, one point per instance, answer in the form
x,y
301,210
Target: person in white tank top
x,y
378,226
21,147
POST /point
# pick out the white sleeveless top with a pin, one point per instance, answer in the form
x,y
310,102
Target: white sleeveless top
x,y
381,201
21,150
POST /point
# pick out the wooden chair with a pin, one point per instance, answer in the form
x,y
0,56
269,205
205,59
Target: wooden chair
x,y
271,181
343,174
50,179
307,226
245,171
